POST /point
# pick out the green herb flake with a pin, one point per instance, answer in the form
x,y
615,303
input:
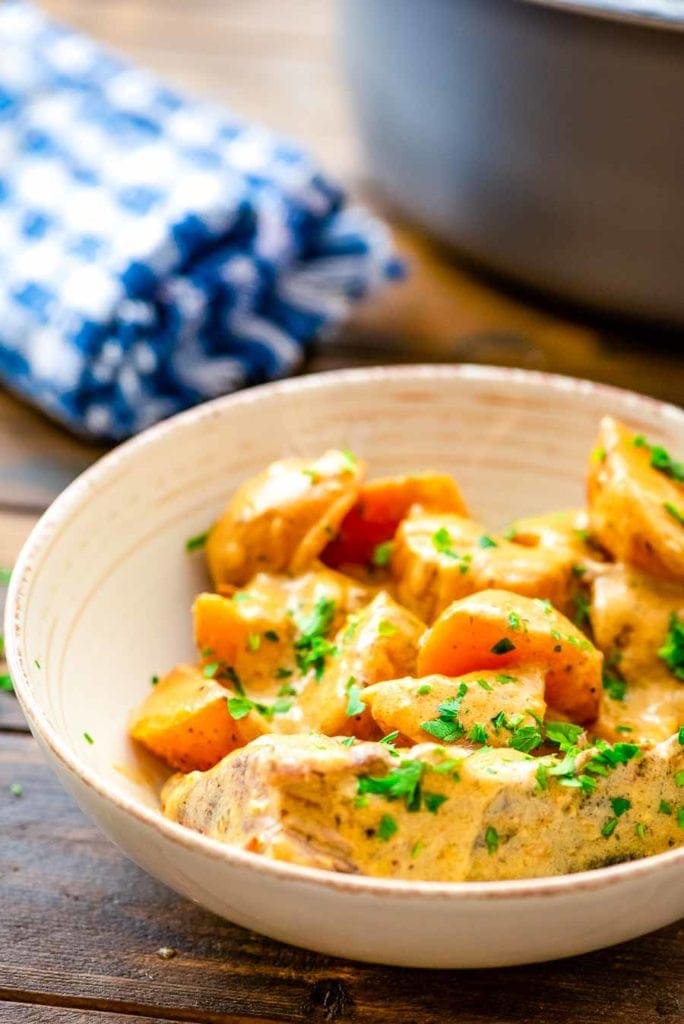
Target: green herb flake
x,y
672,651
16,789
311,646
679,779
680,735
608,827
443,545
271,635
491,839
350,460
673,511
423,690
478,733
485,541
664,807
210,670
565,734
446,726
361,801
620,805
615,687
6,684
640,830
197,542
287,690
680,817
544,604
254,642
526,738
241,596
623,728
514,620
542,777
355,706
382,554
417,849
386,628
483,684
348,741
389,739
433,801
154,680
582,607
509,533
503,646
504,678
88,738
239,707
402,783
387,827
284,673
578,570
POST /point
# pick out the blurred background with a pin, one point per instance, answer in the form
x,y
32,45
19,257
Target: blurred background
x,y
284,63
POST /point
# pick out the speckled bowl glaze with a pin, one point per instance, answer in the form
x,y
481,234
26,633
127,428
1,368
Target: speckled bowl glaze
x,y
99,601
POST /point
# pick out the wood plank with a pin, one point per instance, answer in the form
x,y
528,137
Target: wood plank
x,y
77,920
25,1013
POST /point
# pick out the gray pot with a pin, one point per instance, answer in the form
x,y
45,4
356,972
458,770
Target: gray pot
x,y
545,139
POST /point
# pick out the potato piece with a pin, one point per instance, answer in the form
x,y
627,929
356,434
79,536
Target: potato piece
x,y
380,642
630,613
282,519
499,630
253,631
473,701
438,559
479,815
381,506
634,509
185,721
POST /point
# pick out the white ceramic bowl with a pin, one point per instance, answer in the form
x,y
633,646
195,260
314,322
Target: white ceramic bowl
x,y
99,601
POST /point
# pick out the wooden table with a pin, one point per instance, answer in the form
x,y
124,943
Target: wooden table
x,y
84,935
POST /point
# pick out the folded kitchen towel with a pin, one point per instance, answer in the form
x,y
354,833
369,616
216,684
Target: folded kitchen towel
x,y
155,250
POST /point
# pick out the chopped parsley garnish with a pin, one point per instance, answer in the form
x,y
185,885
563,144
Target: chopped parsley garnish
x,y
5,576
242,595
485,541
544,604
433,801
240,707
478,733
88,738
672,651
417,848
287,690
254,642
402,783
348,741
423,689
582,607
197,542
514,620
582,534
640,830
355,705
509,533
270,634
503,646
350,460
382,553
673,511
446,726
661,459
565,734
679,779
598,454
526,738
284,673
664,807
386,628
541,775
445,767
503,678
608,827
311,646
680,817
229,673
154,680
578,570
680,735
210,670
387,827
491,839
615,687
6,684
485,685
389,738
442,542
16,789
620,805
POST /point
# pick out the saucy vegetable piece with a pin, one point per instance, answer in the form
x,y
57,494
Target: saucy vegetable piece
x,y
642,699
282,519
438,559
381,506
185,721
501,709
636,501
495,629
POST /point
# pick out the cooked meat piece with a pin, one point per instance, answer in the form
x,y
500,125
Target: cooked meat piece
x,y
440,814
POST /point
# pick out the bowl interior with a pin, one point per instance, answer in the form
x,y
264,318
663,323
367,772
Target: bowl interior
x,y
101,596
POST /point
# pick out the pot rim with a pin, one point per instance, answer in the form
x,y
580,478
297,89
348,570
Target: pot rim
x,y
663,14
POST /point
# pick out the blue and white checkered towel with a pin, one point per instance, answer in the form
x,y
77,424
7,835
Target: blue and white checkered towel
x,y
155,251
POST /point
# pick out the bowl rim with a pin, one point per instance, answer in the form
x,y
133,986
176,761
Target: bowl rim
x,y
47,527
658,14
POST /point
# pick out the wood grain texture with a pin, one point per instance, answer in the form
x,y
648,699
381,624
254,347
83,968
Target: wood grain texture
x,y
79,921
25,1013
